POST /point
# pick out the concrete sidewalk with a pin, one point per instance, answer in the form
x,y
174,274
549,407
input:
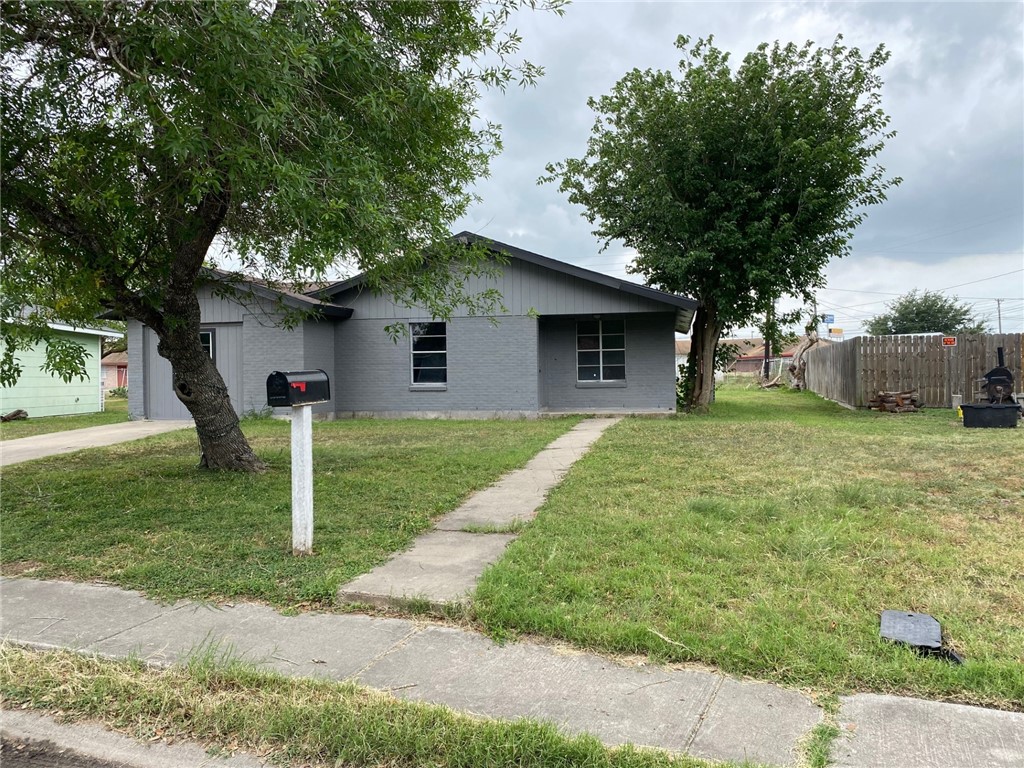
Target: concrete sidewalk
x,y
691,711
443,565
55,443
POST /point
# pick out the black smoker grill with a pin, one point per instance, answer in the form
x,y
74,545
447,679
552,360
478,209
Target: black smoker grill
x,y
1001,408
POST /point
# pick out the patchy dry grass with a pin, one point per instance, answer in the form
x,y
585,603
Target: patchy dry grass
x,y
231,706
766,537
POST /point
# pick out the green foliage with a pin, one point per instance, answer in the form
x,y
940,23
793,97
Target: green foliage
x,y
725,354
925,312
293,135
736,187
118,392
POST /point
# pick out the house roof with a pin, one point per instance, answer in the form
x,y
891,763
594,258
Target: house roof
x,y
285,294
683,345
757,352
685,307
292,297
115,358
101,331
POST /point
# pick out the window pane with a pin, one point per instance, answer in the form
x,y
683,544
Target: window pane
x,y
206,340
432,360
588,342
428,344
613,326
588,358
429,375
427,329
614,358
615,373
588,327
615,342
589,373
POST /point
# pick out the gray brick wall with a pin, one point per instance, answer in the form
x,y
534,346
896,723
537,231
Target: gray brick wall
x,y
267,347
650,367
490,369
318,352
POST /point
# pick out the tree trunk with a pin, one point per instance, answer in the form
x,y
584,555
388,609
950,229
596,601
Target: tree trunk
x,y
703,341
199,385
798,368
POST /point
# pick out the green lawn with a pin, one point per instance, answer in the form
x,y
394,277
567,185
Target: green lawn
x,y
766,537
115,411
142,516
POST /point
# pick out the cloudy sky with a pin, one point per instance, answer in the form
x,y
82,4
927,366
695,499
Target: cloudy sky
x,y
954,88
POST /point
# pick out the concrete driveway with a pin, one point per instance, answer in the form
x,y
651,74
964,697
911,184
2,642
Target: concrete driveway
x,y
38,446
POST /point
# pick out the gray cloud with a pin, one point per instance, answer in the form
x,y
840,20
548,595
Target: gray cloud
x,y
954,88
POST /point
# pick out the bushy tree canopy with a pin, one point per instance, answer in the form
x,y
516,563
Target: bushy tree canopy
x,y
139,133
736,187
925,312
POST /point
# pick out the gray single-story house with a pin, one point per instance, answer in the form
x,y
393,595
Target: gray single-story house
x,y
568,340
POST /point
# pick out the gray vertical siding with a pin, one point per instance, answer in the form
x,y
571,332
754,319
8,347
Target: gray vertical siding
x,y
136,372
490,369
525,287
160,402
650,358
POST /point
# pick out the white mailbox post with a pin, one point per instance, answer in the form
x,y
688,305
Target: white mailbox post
x,y
300,390
302,479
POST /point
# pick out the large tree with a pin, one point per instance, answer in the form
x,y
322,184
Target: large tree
x,y
139,134
925,312
735,187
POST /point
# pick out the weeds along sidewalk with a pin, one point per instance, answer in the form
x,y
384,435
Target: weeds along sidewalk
x,y
693,712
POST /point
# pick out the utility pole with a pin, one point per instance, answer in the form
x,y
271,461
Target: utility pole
x,y
999,314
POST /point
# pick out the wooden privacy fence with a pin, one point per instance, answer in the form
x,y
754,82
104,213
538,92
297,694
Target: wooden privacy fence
x,y
852,372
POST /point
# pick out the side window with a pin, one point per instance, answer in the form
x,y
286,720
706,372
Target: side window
x,y
206,338
429,353
601,350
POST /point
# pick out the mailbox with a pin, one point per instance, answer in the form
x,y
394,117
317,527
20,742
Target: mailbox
x,y
286,388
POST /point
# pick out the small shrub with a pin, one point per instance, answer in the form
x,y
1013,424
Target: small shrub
x,y
119,392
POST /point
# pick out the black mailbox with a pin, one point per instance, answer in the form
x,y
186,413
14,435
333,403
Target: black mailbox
x,y
285,388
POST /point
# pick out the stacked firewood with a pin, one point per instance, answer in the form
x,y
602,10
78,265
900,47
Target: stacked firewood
x,y
896,402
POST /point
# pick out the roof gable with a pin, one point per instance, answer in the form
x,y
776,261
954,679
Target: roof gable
x,y
568,277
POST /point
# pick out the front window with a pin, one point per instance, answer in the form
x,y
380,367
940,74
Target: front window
x,y
429,353
206,338
601,350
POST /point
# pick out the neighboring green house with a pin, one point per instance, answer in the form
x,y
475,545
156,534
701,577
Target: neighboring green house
x,y
42,394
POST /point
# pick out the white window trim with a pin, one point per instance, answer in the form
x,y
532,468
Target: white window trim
x,y
431,386
600,356
213,342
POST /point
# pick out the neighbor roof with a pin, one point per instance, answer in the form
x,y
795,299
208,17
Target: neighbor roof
x,y
685,307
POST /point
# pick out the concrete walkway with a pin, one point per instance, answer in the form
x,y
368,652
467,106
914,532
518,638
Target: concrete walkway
x,y
444,565
54,443
696,712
